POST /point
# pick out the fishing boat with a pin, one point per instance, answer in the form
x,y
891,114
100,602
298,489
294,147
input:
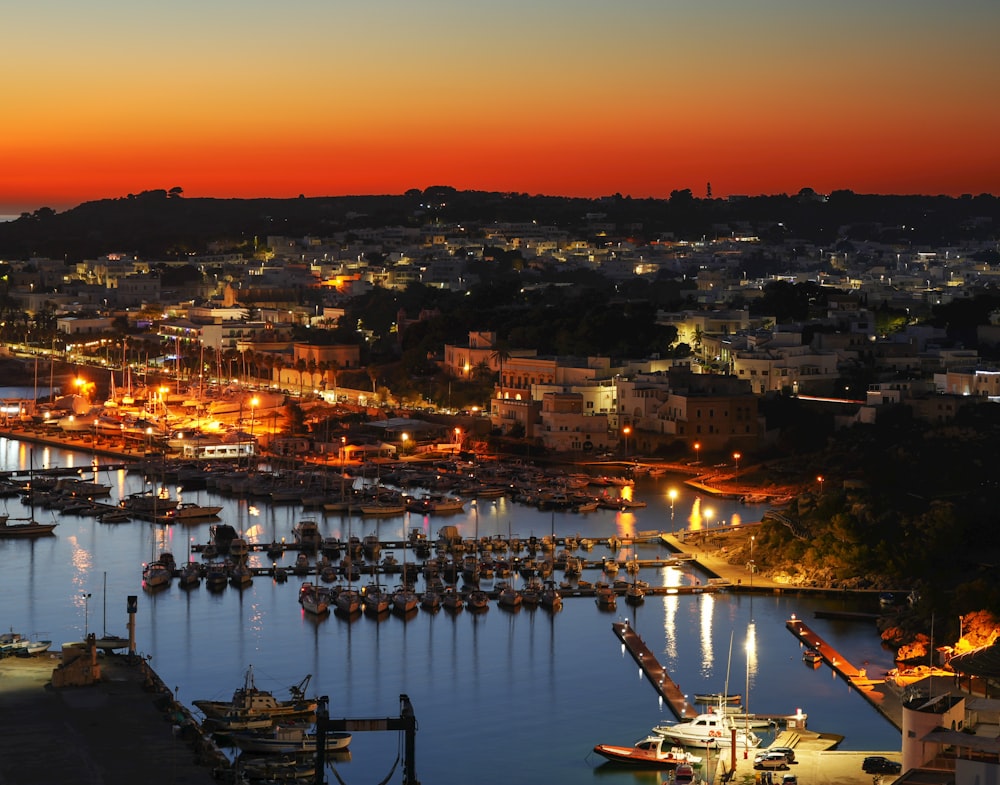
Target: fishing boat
x,y
13,643
249,701
651,752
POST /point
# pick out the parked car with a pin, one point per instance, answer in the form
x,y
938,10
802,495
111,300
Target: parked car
x,y
788,751
771,760
879,764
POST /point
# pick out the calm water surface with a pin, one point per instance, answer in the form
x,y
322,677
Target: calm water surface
x,y
499,697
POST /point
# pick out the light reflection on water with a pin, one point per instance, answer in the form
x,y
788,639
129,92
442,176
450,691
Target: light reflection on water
x,y
549,686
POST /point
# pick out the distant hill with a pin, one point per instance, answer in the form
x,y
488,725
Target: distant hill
x,y
166,225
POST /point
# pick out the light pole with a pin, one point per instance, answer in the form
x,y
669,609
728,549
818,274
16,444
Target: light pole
x,y
405,439
672,493
254,402
821,479
697,452
736,457
751,560
86,614
625,432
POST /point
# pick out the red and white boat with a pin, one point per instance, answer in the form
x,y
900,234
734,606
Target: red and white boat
x,y
651,752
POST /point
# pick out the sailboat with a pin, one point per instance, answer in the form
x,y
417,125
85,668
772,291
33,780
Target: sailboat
x,y
348,601
635,593
26,527
109,642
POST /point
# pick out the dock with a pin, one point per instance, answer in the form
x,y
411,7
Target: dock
x,y
872,690
665,686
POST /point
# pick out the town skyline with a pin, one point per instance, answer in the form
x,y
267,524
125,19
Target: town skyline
x,y
553,98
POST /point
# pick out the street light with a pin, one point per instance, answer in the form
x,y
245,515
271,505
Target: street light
x,y
86,614
405,438
697,452
672,493
821,479
625,432
254,403
736,457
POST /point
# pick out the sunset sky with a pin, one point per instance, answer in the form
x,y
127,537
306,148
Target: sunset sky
x,y
243,98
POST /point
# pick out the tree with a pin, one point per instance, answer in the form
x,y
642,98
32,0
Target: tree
x,y
301,367
500,355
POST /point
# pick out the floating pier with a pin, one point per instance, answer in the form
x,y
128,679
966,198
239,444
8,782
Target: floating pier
x,y
656,673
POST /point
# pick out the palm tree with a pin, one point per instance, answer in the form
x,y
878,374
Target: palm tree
x,y
334,367
313,367
500,355
301,367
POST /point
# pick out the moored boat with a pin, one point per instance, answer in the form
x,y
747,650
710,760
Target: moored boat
x,y
651,752
284,740
708,731
249,700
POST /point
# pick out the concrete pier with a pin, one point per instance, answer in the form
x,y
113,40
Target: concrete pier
x,y
874,691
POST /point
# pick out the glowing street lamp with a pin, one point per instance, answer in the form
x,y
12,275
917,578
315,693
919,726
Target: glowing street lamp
x,y
751,565
458,436
406,439
672,493
821,479
697,452
251,450
736,457
625,432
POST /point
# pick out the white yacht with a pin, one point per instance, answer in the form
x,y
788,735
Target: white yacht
x,y
712,730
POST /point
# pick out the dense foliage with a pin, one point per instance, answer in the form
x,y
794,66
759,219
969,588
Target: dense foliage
x,y
903,504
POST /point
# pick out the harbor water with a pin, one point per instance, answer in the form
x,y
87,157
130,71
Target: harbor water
x,y
499,697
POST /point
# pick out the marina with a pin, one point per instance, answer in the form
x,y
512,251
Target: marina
x,y
518,671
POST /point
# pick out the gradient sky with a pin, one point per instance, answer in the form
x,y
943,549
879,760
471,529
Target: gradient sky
x,y
243,98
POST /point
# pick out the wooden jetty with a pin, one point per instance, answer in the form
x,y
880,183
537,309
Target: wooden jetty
x,y
656,673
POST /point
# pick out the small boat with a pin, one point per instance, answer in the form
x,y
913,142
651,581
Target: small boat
x,y
314,599
285,740
812,656
451,599
650,752
404,599
430,600
718,697
191,511
509,598
156,575
605,596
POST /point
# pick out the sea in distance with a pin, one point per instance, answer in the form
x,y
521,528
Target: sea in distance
x,y
499,697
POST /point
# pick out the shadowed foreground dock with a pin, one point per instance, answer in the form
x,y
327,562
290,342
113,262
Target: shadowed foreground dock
x,y
119,730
